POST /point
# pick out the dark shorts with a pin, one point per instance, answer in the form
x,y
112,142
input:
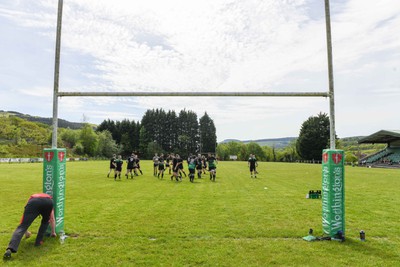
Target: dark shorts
x,y
35,207
252,168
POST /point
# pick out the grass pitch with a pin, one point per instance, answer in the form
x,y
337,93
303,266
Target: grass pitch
x,y
235,221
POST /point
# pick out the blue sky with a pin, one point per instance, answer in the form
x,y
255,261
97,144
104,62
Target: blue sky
x,y
209,45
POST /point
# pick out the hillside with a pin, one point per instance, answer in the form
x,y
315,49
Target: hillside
x,y
271,142
48,121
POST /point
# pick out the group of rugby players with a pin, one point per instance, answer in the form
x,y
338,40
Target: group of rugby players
x,y
174,164
132,168
171,162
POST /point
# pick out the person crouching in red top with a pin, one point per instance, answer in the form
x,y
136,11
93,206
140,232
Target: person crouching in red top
x,y
38,204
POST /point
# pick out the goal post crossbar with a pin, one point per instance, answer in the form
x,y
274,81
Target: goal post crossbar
x,y
198,94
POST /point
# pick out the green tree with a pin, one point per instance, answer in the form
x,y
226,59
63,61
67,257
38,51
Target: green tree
x,y
313,137
4,151
268,153
208,135
69,137
289,153
188,127
152,148
184,142
171,125
232,149
148,132
79,149
89,140
110,126
106,146
350,157
222,151
144,142
126,132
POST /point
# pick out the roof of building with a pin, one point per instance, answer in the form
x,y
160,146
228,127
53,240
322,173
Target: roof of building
x,y
381,137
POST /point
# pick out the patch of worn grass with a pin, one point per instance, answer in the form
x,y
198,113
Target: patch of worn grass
x,y
236,221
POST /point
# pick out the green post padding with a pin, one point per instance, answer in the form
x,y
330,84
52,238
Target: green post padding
x,y
54,170
333,208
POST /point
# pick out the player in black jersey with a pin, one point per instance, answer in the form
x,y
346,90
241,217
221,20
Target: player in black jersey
x,y
168,163
161,166
112,165
192,160
252,164
137,165
118,167
199,165
180,166
212,166
130,166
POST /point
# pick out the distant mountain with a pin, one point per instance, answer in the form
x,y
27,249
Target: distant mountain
x,y
49,121
271,142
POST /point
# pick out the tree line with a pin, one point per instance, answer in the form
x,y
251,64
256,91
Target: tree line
x,y
163,131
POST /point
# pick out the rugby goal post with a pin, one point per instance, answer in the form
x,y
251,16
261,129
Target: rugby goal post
x,y
333,160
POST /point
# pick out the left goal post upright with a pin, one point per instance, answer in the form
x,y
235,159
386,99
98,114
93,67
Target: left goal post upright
x,y
54,174
54,159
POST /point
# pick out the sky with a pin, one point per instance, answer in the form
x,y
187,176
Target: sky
x,y
206,46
